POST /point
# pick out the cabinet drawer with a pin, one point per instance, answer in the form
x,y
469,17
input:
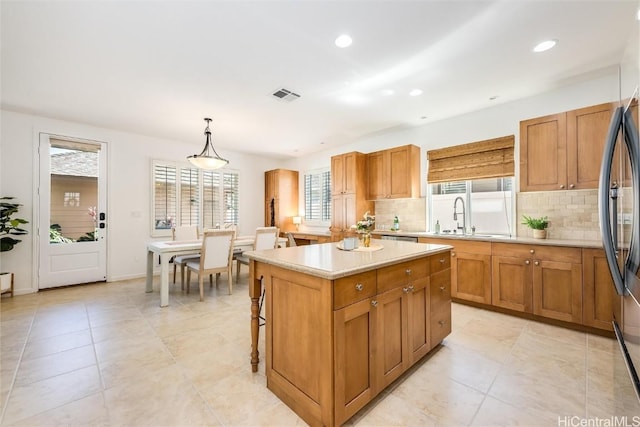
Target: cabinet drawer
x,y
440,289
440,324
439,262
553,253
350,289
402,274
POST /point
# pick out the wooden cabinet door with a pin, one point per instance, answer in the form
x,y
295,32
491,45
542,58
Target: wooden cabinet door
x,y
337,214
399,171
439,306
350,172
511,284
337,175
543,153
586,133
599,292
471,277
418,319
353,373
390,359
557,290
377,177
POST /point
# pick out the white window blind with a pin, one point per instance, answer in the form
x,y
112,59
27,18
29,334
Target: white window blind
x,y
208,199
164,196
317,196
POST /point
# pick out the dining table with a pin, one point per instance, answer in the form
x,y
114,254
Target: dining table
x,y
166,250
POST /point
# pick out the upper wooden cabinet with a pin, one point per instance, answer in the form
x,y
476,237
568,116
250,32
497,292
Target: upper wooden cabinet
x,y
348,192
394,173
281,198
563,151
348,173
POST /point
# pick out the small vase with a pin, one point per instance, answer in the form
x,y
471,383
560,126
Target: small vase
x,y
366,239
539,234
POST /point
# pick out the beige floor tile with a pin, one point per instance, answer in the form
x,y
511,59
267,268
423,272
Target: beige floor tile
x,y
88,411
40,368
56,344
118,329
493,412
392,411
31,399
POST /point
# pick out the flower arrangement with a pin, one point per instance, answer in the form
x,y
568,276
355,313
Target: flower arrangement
x,y
365,225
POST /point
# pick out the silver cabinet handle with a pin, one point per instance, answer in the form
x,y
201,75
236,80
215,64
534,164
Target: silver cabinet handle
x,y
411,288
442,288
405,290
408,271
561,185
452,254
442,323
571,185
527,262
442,259
374,303
536,262
532,251
359,287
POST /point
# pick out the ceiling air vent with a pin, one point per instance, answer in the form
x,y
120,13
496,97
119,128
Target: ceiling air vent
x,y
285,95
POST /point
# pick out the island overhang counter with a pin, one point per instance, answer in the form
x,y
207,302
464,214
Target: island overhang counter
x,y
342,325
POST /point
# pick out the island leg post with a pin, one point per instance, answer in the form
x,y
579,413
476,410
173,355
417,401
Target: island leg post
x,y
255,287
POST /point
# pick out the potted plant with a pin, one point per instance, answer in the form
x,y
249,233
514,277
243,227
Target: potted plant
x,y
9,227
538,225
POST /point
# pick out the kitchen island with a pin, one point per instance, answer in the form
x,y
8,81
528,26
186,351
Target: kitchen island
x,y
342,325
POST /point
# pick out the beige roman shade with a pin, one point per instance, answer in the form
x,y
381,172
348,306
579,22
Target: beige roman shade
x,y
492,158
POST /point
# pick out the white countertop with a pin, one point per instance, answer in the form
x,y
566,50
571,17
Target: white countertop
x,y
329,262
496,238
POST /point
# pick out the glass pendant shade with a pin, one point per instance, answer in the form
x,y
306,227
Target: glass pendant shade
x,y
208,159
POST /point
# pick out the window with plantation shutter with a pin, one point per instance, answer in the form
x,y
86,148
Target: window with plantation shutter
x,y
317,196
183,195
164,196
189,197
492,158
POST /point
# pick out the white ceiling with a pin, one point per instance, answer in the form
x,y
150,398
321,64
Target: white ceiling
x,y
158,68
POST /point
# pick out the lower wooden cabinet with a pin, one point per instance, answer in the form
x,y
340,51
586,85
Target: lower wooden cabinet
x,y
599,295
543,280
379,337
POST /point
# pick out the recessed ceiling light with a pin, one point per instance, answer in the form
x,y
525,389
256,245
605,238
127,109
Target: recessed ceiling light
x,y
423,118
387,92
545,45
415,92
493,98
344,41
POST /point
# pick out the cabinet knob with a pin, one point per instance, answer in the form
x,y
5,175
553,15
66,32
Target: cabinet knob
x,y
408,271
374,303
359,287
442,288
442,323
452,254
442,259
411,288
405,290
532,251
572,185
561,185
536,262
527,262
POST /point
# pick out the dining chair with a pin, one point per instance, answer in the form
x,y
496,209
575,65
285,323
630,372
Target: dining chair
x,y
266,238
184,232
215,257
292,240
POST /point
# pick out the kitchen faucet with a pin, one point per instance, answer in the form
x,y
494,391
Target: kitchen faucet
x,y
455,214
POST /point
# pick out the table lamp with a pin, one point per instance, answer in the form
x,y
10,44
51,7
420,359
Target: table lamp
x,y
297,220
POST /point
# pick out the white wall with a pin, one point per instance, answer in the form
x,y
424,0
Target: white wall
x,y
503,119
129,186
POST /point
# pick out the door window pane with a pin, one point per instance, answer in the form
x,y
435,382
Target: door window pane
x,y
74,192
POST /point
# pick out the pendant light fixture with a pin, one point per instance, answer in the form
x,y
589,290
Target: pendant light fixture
x,y
209,159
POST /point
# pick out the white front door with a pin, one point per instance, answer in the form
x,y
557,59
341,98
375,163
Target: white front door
x,y
73,205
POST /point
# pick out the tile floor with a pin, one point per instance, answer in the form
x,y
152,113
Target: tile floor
x,y
108,355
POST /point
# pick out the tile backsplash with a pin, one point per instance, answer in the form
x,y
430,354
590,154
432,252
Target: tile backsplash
x,y
573,214
412,214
